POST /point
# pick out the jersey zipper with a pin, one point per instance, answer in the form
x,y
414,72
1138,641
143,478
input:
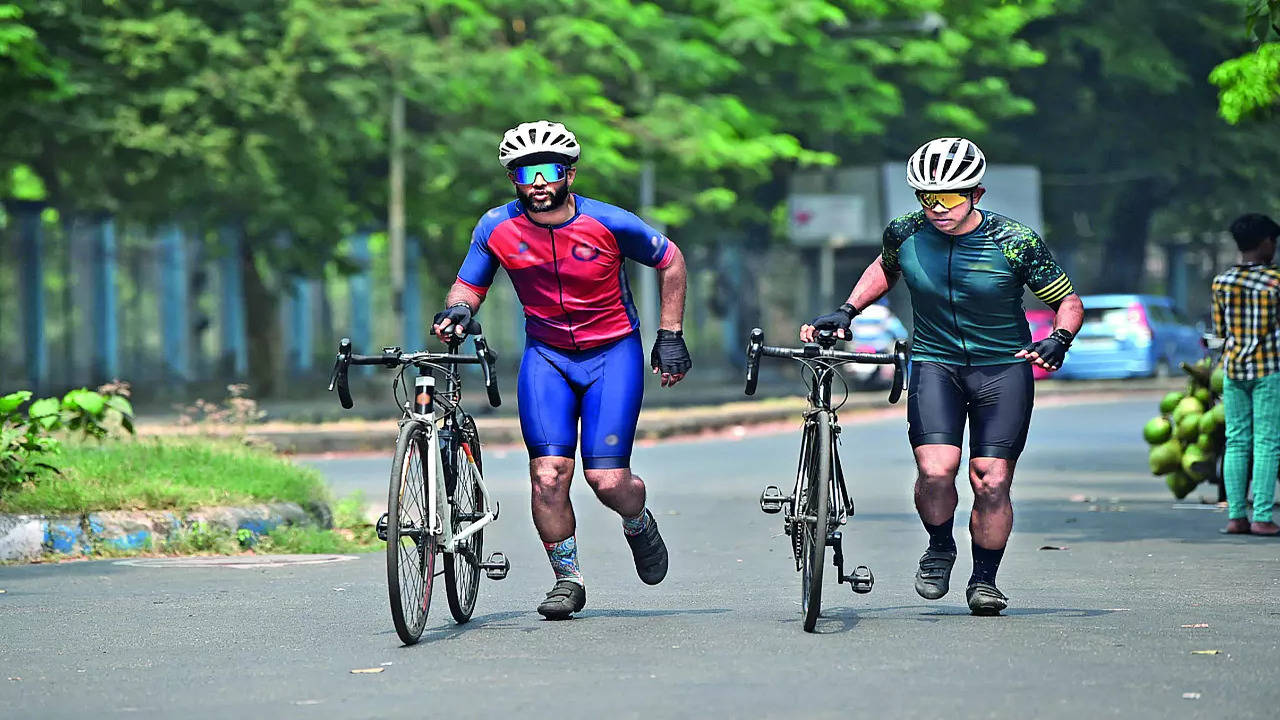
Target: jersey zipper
x,y
951,293
555,263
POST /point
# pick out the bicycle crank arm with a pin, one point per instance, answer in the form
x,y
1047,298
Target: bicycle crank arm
x,y
860,580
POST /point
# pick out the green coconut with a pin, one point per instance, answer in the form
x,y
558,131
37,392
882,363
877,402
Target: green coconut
x,y
1186,406
1197,463
1188,428
1208,423
1170,402
1157,430
1165,457
1180,484
1216,380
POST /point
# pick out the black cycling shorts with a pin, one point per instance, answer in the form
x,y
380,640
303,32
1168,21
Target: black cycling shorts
x,y
996,399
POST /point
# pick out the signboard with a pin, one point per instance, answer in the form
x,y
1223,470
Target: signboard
x,y
825,219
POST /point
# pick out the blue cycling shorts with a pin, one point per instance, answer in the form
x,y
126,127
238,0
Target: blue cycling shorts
x,y
603,387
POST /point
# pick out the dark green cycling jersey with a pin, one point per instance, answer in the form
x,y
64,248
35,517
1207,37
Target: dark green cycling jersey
x,y
966,290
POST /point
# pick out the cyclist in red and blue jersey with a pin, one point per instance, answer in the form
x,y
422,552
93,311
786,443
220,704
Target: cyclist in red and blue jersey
x,y
583,362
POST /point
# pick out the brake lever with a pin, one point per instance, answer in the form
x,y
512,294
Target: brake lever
x,y
488,365
900,361
754,346
339,377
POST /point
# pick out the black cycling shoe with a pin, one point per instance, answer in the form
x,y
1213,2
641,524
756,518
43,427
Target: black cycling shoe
x,y
985,599
650,552
933,579
565,599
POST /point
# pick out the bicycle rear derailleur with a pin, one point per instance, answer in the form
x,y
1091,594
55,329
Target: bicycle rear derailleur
x,y
861,579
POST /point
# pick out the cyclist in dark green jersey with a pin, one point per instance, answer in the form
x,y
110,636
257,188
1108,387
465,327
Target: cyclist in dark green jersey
x,y
971,352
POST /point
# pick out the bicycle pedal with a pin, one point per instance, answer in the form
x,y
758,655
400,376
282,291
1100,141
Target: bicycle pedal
x,y
497,566
861,580
771,500
381,527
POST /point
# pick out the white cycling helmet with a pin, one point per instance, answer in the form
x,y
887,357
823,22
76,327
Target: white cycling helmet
x,y
946,164
538,142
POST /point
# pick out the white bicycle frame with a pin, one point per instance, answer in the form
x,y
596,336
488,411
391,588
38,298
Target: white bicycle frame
x,y
441,520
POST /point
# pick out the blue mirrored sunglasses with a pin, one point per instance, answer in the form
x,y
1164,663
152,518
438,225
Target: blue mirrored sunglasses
x,y
550,172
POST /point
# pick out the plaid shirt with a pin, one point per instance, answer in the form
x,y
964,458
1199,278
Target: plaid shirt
x,y
1246,303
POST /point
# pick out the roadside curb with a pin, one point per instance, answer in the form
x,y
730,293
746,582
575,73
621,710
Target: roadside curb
x,y
656,423
34,537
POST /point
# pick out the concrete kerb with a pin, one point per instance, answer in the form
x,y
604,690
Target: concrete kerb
x,y
33,537
654,424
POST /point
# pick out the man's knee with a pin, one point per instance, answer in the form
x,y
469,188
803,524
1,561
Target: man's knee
x,y
550,477
990,479
611,480
937,471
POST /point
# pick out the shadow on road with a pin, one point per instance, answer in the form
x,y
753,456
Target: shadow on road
x,y
843,619
647,613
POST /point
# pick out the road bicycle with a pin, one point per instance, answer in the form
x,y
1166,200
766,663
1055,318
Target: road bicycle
x,y
437,503
819,501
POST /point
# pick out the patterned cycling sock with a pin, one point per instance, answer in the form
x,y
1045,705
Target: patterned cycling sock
x,y
940,537
564,559
985,564
635,525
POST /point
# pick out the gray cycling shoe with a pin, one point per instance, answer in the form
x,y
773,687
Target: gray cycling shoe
x,y
650,552
565,599
933,578
985,599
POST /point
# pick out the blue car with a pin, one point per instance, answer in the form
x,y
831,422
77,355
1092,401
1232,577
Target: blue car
x,y
1131,336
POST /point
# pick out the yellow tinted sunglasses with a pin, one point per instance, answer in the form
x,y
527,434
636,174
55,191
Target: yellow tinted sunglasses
x,y
946,200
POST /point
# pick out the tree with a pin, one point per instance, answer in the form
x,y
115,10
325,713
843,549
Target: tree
x,y
1126,132
1249,85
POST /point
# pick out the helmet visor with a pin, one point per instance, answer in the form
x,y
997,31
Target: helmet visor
x,y
946,200
550,172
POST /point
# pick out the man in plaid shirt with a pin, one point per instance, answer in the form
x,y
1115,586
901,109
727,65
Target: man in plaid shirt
x,y
1246,314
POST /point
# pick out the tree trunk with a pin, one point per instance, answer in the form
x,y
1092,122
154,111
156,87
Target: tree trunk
x,y
262,326
1124,257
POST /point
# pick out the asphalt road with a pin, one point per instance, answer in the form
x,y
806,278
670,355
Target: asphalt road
x,y
1094,629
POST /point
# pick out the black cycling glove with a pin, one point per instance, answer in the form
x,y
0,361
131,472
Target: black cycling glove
x,y
1053,349
840,319
458,315
670,354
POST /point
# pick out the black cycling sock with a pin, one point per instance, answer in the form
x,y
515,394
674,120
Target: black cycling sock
x,y
940,535
985,564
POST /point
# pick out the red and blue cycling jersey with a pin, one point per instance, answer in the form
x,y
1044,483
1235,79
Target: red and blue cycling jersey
x,y
570,277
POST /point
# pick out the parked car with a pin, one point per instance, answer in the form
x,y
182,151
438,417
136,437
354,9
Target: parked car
x,y
1041,322
1131,336
874,330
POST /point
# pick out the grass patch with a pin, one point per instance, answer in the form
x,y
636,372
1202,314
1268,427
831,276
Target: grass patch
x,y
164,474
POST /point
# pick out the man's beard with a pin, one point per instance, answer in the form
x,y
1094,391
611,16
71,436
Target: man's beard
x,y
557,200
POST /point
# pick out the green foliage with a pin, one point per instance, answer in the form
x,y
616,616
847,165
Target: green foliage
x,y
159,475
1249,85
24,445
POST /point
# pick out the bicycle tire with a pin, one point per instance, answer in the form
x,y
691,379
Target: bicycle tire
x,y
816,506
462,573
411,547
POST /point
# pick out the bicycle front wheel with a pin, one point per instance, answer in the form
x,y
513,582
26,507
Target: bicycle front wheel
x,y
462,566
411,546
813,522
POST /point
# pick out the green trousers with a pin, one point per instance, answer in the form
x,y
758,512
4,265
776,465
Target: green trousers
x,y
1253,432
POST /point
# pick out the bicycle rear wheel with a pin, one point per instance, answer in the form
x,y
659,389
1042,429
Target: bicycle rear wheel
x,y
462,567
411,547
813,525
